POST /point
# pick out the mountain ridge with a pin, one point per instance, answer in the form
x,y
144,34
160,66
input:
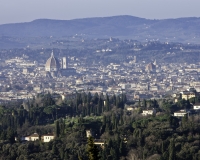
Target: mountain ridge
x,y
179,29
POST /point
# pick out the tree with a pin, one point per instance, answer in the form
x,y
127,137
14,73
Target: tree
x,y
48,100
133,155
54,148
49,110
139,103
93,152
57,128
107,104
172,150
184,121
89,97
99,106
95,98
11,135
145,103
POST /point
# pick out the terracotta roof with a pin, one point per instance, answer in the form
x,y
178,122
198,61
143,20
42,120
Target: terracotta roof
x,y
47,135
34,135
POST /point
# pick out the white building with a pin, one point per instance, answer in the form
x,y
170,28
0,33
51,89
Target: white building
x,y
149,112
89,133
32,137
196,106
47,137
180,113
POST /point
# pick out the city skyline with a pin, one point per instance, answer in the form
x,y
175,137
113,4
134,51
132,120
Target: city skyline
x,y
25,11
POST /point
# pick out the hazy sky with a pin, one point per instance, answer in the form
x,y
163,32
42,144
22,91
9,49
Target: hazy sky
x,y
12,11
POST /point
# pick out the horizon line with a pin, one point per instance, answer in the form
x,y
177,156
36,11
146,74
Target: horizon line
x,y
92,18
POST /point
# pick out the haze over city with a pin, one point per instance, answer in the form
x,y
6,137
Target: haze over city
x,y
99,80
28,10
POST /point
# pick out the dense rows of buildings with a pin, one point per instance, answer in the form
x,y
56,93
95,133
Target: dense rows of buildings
x,y
21,78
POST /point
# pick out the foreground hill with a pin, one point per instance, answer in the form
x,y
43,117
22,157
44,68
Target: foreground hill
x,y
179,30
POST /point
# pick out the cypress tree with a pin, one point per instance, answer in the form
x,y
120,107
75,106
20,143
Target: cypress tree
x,y
11,135
54,149
139,103
104,120
57,129
162,147
145,103
114,99
172,150
92,150
118,102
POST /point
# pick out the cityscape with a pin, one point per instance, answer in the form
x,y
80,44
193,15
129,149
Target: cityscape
x,y
23,78
97,80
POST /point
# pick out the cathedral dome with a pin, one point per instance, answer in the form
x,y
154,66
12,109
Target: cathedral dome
x,y
52,64
150,67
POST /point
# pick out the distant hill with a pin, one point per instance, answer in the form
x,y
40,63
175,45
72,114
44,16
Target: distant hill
x,y
179,30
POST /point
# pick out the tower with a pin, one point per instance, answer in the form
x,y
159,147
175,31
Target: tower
x,y
64,63
155,63
135,59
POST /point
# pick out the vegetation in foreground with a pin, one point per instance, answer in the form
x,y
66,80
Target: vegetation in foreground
x,y
126,135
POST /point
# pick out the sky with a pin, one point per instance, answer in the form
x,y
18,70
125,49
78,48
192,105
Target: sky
x,y
14,11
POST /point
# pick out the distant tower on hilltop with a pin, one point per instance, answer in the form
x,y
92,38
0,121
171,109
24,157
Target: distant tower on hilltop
x,y
135,59
155,63
64,63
